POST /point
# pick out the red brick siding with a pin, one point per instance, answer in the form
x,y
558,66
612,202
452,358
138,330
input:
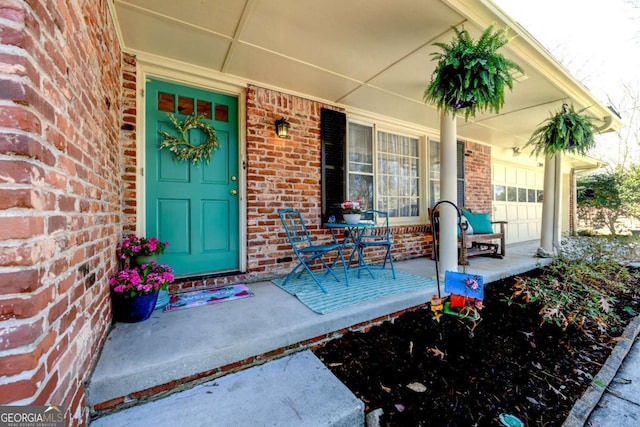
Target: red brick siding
x,y
128,142
478,194
60,196
280,173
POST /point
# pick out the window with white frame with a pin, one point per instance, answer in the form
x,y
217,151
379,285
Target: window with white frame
x,y
384,172
434,172
507,193
360,164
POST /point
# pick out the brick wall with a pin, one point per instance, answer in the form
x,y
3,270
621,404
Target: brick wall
x,y
60,196
478,193
128,142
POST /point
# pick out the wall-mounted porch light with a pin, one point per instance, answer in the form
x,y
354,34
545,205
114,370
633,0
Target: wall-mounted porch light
x,y
282,128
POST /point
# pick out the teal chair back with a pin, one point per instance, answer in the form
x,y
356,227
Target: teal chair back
x,y
378,236
306,251
295,228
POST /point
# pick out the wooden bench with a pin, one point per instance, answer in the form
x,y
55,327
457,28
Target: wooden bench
x,y
482,244
476,244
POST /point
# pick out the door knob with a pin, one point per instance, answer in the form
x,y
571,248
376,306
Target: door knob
x,y
233,192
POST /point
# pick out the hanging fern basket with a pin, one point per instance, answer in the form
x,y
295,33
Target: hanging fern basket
x,y
471,76
180,145
567,131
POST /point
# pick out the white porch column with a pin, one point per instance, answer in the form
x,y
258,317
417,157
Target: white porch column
x,y
448,250
557,214
548,208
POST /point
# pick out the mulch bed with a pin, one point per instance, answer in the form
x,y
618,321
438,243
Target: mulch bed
x,y
426,373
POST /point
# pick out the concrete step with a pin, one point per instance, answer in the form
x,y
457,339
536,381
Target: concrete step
x,y
296,390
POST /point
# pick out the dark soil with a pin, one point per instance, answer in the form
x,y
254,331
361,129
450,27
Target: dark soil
x,y
511,364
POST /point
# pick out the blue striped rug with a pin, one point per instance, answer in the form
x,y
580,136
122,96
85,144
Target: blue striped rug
x,y
360,289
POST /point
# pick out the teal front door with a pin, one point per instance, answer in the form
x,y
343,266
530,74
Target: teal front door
x,y
194,207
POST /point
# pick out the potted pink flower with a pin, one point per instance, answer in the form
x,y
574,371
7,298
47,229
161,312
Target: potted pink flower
x,y
134,291
140,250
351,211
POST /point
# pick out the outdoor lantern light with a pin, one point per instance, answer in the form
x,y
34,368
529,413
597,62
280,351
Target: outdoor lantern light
x,y
282,128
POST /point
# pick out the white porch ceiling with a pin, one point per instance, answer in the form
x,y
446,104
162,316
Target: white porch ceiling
x,y
369,55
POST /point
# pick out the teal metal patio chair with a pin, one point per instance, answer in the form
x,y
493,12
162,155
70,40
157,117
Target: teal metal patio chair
x,y
377,236
306,252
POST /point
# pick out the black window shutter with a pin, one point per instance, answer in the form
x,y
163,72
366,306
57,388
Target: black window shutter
x,y
333,134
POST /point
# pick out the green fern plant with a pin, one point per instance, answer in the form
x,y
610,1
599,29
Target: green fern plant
x,y
568,130
471,75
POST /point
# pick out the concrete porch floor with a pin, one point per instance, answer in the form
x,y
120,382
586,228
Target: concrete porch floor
x,y
175,350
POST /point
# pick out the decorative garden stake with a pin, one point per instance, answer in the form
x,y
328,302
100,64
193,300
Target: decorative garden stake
x,y
566,131
182,148
466,291
466,295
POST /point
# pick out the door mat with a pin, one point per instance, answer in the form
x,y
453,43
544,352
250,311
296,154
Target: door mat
x,y
207,296
361,289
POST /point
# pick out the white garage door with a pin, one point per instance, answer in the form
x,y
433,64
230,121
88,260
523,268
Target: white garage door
x,y
517,199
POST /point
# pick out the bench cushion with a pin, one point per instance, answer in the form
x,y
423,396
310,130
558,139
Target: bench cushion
x,y
480,222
